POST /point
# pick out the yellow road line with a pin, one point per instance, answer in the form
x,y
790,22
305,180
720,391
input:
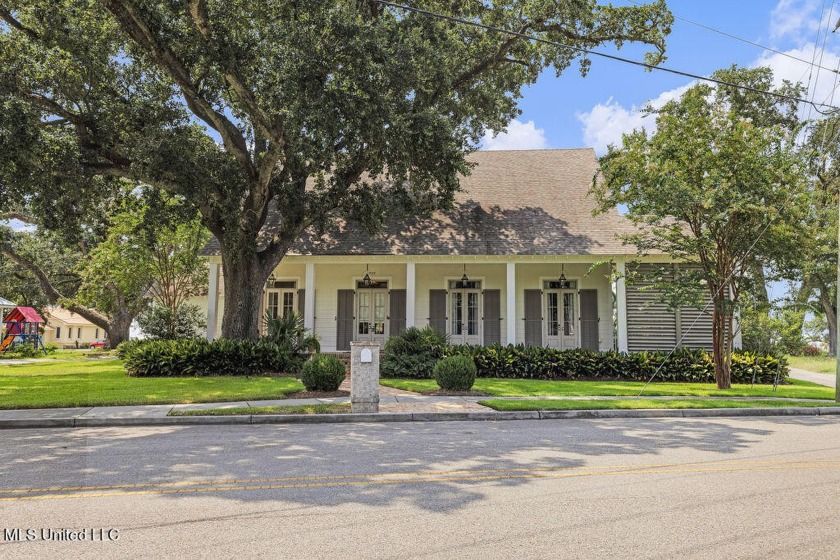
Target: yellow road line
x,y
405,478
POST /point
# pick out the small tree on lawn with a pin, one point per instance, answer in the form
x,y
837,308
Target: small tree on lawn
x,y
709,186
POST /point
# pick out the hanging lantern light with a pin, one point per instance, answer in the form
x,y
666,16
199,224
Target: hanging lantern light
x,y
271,280
465,278
563,282
366,282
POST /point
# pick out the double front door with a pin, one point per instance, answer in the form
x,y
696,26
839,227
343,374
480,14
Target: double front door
x,y
561,318
465,312
371,314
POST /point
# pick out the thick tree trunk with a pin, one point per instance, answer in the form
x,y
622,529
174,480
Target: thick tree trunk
x,y
831,318
244,279
118,328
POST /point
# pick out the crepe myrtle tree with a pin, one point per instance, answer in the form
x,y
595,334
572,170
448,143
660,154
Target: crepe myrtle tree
x,y
713,187
318,110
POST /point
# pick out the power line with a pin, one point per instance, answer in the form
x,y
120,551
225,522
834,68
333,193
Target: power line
x,y
527,37
741,39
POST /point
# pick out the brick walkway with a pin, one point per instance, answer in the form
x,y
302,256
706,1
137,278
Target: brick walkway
x,y
397,400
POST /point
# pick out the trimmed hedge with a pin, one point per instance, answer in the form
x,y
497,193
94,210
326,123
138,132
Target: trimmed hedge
x,y
455,373
323,373
199,357
534,362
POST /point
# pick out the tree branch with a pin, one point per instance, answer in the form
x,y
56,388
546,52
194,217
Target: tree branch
x,y
140,31
20,216
53,295
7,16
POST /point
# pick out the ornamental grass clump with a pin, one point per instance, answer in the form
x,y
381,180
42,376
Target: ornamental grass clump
x,y
455,373
323,373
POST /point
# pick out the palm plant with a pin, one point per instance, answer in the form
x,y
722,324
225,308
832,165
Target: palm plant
x,y
289,334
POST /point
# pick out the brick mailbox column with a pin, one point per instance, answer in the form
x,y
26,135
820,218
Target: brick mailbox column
x,y
364,376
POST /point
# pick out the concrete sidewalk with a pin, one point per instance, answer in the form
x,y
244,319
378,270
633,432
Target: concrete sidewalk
x,y
827,379
395,406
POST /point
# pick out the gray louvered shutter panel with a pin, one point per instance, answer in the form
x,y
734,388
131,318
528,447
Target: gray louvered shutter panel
x,y
533,318
650,324
344,320
492,317
589,335
437,309
397,312
301,302
695,326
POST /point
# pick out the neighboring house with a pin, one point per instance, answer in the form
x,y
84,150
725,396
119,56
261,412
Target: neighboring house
x,y
70,330
6,307
521,259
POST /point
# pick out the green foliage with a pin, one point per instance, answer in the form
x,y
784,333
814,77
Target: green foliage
x,y
211,101
25,351
455,373
323,373
289,333
776,331
200,357
413,353
159,322
535,362
719,182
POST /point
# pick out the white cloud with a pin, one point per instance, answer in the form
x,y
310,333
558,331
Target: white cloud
x,y
519,136
796,19
606,122
822,82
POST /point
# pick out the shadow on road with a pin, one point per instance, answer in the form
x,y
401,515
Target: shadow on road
x,y
109,456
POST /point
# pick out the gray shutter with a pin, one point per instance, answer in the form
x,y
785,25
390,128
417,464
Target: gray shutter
x,y
397,312
589,319
492,317
344,320
301,302
650,324
533,318
437,310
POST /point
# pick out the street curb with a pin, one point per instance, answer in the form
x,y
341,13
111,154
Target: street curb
x,y
98,422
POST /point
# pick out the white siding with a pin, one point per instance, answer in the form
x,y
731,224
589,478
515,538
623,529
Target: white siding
x,y
329,278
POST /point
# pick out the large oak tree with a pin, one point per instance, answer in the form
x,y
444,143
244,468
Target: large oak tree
x,y
250,106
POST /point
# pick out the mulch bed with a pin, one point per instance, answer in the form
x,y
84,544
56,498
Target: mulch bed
x,y
317,394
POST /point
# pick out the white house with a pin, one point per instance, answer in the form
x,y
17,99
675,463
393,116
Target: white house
x,y
521,259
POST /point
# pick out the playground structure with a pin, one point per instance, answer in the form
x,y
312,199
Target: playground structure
x,y
22,326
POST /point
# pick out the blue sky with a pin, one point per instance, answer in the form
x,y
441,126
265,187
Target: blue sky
x,y
571,111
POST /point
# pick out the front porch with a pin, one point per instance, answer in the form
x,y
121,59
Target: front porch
x,y
474,300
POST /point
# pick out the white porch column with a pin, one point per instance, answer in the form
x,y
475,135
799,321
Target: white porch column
x,y
212,301
309,297
621,305
410,293
510,289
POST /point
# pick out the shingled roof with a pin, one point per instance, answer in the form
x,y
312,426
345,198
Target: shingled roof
x,y
519,202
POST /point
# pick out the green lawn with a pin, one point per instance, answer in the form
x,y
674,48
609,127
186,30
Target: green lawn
x,y
818,364
538,388
298,409
60,355
104,382
536,404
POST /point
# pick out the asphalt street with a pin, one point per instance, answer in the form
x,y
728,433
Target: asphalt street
x,y
617,488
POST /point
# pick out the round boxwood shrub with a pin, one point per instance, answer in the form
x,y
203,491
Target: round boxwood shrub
x,y
455,373
323,373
